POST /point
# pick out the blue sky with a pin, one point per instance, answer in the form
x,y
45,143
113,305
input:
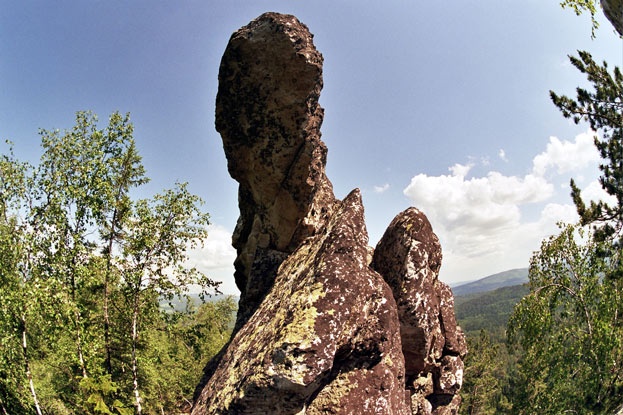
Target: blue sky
x,y
439,105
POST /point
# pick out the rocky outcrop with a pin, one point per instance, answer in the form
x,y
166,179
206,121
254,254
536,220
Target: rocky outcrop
x,y
326,338
408,256
320,330
268,115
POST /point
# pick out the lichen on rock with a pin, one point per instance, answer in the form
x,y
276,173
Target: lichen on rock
x,y
409,257
326,324
269,118
326,329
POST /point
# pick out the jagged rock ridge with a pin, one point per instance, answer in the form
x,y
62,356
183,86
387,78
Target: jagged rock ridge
x,y
320,329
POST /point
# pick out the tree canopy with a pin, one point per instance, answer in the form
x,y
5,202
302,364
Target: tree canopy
x,y
84,269
569,326
581,6
569,330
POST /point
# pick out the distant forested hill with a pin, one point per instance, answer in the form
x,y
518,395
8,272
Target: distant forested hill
x,y
488,310
508,278
192,302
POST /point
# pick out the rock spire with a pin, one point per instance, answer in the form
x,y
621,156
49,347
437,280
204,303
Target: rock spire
x,y
326,324
268,115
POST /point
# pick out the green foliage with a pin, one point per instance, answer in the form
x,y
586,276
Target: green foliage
x,y
97,390
601,108
485,377
489,366
581,6
569,330
181,346
82,267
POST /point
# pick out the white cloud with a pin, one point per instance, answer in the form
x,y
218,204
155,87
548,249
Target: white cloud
x,y
502,155
482,221
485,252
594,192
216,258
553,213
381,189
566,156
473,205
216,252
460,170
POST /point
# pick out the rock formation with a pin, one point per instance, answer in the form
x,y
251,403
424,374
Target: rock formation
x,y
320,329
326,338
269,118
409,257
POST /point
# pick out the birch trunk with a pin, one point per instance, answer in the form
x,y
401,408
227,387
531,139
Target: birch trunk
x,y
79,345
107,345
137,396
77,321
31,384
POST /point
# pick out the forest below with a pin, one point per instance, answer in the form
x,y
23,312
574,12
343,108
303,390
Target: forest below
x,y
488,310
95,316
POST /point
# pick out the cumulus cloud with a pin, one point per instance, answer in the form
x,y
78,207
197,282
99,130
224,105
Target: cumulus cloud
x,y
554,213
381,189
502,155
216,258
468,256
216,252
566,156
483,222
594,192
471,206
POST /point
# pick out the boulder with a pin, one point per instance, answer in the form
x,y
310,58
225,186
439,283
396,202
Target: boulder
x,y
613,9
408,256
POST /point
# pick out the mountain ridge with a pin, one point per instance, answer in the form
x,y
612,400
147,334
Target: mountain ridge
x,y
516,276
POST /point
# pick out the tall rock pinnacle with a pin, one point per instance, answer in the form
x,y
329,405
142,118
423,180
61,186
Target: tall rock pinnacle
x,y
409,257
320,329
269,118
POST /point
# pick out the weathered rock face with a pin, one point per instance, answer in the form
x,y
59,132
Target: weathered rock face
x,y
408,256
319,329
269,118
326,338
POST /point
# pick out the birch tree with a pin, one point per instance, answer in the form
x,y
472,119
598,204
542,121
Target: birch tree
x,y
15,298
569,329
83,270
159,234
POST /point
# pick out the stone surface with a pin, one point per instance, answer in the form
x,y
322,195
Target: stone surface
x,y
326,338
409,256
326,324
268,115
